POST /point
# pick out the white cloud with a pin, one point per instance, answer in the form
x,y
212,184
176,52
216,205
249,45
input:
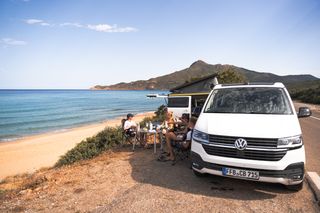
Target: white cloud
x,y
71,24
44,24
33,21
37,21
125,30
106,28
111,29
11,41
100,27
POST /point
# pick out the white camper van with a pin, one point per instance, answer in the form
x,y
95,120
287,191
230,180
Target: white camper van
x,y
250,131
190,104
179,104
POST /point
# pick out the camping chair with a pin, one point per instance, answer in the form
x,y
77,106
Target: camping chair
x,y
126,137
181,153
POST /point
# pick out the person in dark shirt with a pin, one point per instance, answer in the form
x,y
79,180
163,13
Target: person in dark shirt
x,y
180,140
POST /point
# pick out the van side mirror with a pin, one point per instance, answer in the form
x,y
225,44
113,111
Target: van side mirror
x,y
304,112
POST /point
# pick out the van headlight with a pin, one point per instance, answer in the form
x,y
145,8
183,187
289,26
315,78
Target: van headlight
x,y
290,141
200,137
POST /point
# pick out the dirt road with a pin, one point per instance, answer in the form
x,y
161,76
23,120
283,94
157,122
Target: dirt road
x,y
311,137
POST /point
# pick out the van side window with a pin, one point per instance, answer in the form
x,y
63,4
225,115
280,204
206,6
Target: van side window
x,y
178,102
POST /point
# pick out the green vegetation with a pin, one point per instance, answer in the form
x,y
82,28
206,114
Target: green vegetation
x,y
311,95
92,146
160,114
305,91
146,120
158,117
107,138
230,76
294,87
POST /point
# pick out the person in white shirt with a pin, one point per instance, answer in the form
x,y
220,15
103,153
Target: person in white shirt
x,y
130,126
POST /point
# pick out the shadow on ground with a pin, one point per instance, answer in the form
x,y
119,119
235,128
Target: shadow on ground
x,y
147,170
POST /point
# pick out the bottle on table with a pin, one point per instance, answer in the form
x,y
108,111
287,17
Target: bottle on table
x,y
150,126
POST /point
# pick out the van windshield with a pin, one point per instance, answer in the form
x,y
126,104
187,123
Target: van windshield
x,y
249,100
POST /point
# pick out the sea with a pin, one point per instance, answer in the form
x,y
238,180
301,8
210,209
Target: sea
x,y
30,112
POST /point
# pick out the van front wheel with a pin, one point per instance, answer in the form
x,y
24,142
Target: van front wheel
x,y
296,187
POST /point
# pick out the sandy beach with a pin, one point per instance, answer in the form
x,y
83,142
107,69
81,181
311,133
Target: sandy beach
x,y
29,154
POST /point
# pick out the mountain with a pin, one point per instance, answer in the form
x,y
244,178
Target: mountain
x,y
198,70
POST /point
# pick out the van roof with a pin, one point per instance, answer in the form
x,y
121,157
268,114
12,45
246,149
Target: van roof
x,y
189,94
251,84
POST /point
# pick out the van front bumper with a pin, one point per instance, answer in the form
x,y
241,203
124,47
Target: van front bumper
x,y
290,175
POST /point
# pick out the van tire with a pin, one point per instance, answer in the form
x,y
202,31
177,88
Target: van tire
x,y
198,174
296,187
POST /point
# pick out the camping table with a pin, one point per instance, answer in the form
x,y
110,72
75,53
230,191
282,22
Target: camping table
x,y
154,132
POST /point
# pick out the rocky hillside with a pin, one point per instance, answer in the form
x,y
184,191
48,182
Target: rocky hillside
x,y
198,70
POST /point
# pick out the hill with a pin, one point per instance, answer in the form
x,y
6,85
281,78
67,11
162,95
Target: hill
x,y
201,69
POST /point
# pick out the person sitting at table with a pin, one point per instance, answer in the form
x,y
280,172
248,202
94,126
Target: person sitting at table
x,y
171,124
182,141
169,121
130,126
182,123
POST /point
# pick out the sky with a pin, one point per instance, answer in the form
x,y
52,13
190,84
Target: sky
x,y
76,44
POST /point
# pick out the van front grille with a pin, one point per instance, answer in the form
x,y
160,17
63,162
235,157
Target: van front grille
x,y
245,154
251,142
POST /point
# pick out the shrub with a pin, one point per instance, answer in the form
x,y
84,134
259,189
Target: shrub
x,y
92,146
310,95
146,120
158,117
160,114
230,76
109,137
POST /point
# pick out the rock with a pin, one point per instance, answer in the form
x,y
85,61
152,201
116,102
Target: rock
x,y
25,192
37,189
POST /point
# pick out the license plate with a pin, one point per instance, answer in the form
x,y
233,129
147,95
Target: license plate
x,y
241,173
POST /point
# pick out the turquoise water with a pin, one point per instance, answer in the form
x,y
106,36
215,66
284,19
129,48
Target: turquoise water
x,y
28,112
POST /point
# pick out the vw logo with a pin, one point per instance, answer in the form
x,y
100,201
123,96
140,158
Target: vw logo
x,y
240,144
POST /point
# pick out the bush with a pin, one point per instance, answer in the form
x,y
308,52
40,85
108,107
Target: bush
x,y
109,137
92,146
230,76
146,120
160,114
311,95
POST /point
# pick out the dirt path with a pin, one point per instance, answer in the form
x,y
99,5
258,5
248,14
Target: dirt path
x,y
123,181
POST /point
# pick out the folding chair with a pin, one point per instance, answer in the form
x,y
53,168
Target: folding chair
x,y
181,153
126,137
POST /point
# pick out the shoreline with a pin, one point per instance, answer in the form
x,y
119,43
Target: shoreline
x,y
31,153
63,129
